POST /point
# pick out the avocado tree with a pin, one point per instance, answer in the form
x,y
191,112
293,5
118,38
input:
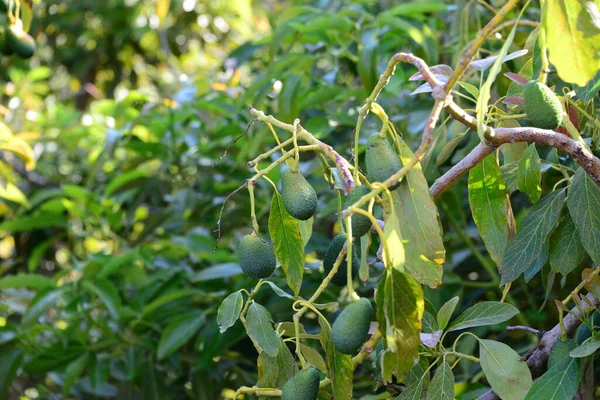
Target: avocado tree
x,y
391,231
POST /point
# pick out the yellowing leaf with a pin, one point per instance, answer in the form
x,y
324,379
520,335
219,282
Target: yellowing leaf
x,y
20,148
573,39
162,9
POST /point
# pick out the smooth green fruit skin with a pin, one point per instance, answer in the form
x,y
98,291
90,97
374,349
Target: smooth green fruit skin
x,y
4,47
20,42
257,258
340,278
361,224
303,386
542,106
299,198
381,159
351,328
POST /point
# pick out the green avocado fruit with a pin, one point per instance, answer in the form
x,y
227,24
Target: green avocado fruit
x,y
299,198
20,42
381,159
350,330
332,253
542,106
303,386
257,258
361,224
4,47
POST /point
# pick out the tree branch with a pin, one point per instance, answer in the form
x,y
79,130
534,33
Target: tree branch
x,y
538,360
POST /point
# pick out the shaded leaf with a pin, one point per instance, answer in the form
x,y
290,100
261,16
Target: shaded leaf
x,y
178,332
584,202
528,244
39,305
10,361
508,375
445,312
340,369
442,384
529,174
260,329
484,313
30,281
566,250
229,311
558,383
287,242
586,349
73,372
108,293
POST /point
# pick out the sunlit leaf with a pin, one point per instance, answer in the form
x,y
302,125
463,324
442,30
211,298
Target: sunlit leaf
x,y
584,202
229,311
260,329
529,174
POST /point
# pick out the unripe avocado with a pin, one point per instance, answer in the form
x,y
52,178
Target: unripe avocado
x,y
351,328
332,253
361,224
542,106
299,198
4,47
257,258
303,386
381,159
20,42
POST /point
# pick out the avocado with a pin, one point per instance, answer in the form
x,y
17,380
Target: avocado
x,y
20,42
257,258
559,350
381,159
361,224
299,198
350,330
542,106
333,251
303,386
4,47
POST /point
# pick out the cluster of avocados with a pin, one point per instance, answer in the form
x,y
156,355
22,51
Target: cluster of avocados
x,y
257,258
13,39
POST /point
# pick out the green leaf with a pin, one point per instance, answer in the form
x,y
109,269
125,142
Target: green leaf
x,y
393,238
230,310
429,323
30,223
275,371
30,281
260,329
560,350
530,241
306,229
10,361
124,181
586,349
558,383
108,293
589,91
445,312
39,305
279,291
166,299
572,28
178,332
73,372
485,90
566,250
584,202
489,204
400,308
287,242
313,357
288,99
367,60
11,192
339,366
419,223
442,384
414,391
507,374
529,174
482,314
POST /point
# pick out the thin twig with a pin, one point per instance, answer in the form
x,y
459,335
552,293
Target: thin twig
x,y
536,332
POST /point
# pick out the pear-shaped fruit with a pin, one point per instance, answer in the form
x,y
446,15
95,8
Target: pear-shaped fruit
x,y
381,159
351,328
302,386
257,258
542,106
332,253
19,41
299,198
361,224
